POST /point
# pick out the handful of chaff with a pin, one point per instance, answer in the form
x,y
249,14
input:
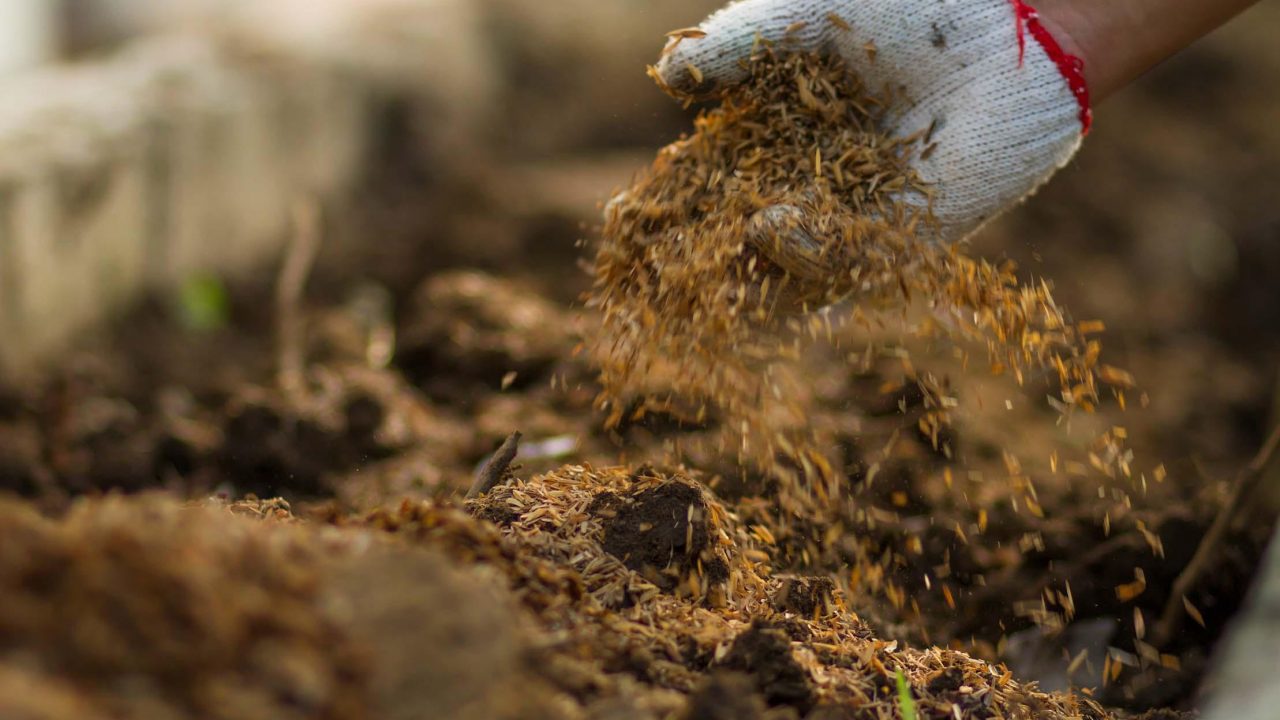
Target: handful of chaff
x,y
715,266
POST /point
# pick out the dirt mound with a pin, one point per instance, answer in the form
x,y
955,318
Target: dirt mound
x,y
626,537
663,534
146,608
764,653
151,610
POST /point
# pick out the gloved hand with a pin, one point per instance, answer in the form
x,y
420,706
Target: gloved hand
x,y
1007,105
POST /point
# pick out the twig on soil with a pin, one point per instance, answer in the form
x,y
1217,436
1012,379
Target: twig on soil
x,y
290,336
1269,489
496,466
1243,488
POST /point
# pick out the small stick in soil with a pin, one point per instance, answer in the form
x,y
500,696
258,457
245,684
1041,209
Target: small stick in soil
x,y
299,259
1243,488
1268,500
496,466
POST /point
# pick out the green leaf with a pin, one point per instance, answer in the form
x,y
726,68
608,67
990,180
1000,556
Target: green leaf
x,y
203,304
906,703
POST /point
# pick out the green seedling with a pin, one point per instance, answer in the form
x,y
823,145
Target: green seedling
x,y
203,304
906,703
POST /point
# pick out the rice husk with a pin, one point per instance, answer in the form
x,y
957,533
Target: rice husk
x,y
706,302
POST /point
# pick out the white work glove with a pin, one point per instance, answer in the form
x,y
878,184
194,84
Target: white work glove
x,y
1007,105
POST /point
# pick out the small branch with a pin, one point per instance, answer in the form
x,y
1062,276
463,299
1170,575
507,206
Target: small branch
x,y
1268,505
1243,488
290,333
490,475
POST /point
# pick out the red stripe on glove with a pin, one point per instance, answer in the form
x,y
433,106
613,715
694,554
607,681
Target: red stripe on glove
x,y
1071,67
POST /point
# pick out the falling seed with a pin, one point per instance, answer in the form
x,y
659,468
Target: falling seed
x,y
1130,591
687,33
1115,376
1193,611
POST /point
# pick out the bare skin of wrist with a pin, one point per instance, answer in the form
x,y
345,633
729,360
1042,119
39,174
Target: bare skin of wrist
x,y
1119,40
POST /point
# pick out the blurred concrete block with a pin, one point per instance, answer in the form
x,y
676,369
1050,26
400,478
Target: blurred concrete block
x,y
1246,682
47,293
439,54
73,238
185,152
27,34
95,26
227,185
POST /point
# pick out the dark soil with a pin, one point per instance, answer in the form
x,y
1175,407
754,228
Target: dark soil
x,y
763,652
806,597
726,696
661,533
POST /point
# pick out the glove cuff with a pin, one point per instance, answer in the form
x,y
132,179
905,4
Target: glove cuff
x,y
1071,66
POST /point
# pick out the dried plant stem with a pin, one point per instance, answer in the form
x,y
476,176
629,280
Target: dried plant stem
x,y
1268,495
290,335
1243,488
492,471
